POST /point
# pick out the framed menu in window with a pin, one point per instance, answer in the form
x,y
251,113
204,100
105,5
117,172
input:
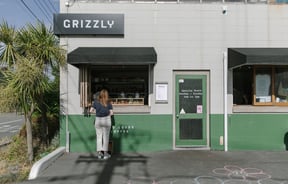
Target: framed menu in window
x,y
161,92
263,86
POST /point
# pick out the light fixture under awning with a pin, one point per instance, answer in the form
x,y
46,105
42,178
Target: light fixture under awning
x,y
257,56
113,56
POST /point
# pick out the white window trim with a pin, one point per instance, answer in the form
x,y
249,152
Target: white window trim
x,y
259,109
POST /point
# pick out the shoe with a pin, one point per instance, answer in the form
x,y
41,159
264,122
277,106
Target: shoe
x,y
100,155
106,156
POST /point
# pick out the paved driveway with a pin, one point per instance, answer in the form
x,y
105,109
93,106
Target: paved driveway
x,y
171,167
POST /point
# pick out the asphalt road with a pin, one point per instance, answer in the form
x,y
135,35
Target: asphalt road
x,y
10,124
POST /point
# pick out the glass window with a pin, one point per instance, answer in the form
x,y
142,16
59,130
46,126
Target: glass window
x,y
263,85
281,84
126,84
242,85
260,85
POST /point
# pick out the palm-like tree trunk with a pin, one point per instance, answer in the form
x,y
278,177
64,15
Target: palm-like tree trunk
x,y
44,123
28,121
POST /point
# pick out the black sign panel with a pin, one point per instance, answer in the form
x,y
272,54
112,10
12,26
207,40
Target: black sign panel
x,y
190,96
89,24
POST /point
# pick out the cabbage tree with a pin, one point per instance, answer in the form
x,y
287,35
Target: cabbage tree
x,y
26,54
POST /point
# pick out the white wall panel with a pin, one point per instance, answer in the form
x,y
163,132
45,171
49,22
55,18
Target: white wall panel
x,y
186,36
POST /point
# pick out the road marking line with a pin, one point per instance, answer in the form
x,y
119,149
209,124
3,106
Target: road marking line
x,y
8,122
9,128
13,131
13,127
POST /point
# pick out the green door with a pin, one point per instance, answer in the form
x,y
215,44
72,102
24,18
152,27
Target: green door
x,y
191,110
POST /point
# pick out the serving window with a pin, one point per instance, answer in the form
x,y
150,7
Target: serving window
x,y
260,85
128,85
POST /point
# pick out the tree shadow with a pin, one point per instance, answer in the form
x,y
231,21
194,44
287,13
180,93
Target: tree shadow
x,y
108,166
103,170
117,160
106,169
80,134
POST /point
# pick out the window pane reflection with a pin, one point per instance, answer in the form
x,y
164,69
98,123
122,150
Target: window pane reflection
x,y
281,84
263,85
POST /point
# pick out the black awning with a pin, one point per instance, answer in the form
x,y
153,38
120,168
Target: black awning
x,y
257,56
113,56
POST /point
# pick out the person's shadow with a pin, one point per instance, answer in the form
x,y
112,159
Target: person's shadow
x,y
286,140
113,142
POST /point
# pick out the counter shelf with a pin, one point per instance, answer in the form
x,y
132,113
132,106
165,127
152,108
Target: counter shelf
x,y
127,101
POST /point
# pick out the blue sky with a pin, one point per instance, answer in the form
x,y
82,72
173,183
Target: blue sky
x,y
15,12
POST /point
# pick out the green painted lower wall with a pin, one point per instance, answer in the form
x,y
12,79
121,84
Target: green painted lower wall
x,y
257,131
82,133
146,133
130,133
216,131
251,131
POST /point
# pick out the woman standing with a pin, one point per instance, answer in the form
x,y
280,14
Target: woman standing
x,y
104,111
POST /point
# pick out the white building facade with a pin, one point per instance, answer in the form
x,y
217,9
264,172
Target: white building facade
x,y
181,75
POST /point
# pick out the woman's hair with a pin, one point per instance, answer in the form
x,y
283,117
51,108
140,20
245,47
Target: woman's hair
x,y
103,97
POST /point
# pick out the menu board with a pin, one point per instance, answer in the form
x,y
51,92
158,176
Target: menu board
x,y
190,96
161,92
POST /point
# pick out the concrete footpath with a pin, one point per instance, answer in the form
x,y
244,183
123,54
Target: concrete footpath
x,y
171,167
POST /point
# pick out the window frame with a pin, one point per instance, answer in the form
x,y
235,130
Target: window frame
x,y
85,92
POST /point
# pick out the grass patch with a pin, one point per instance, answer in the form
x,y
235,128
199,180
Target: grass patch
x,y
14,164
